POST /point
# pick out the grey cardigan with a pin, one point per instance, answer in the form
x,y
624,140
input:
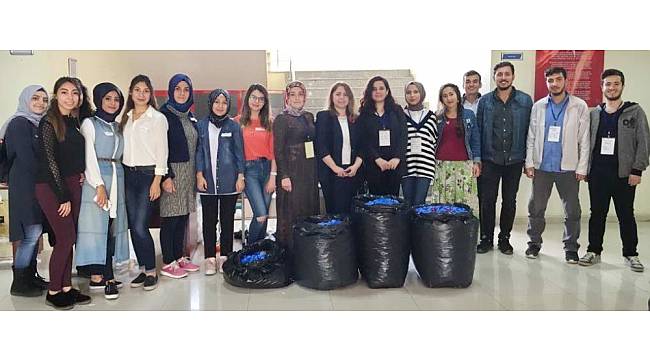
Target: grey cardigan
x,y
633,138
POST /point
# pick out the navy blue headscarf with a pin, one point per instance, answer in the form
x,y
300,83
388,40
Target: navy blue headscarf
x,y
98,95
170,93
214,118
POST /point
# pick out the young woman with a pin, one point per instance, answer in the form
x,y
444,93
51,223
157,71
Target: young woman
x,y
294,132
385,138
58,188
260,170
219,176
145,163
179,196
458,152
337,144
102,230
25,223
421,151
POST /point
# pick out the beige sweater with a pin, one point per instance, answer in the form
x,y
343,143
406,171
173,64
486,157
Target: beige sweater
x,y
575,136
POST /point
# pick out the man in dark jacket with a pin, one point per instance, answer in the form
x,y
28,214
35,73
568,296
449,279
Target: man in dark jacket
x,y
503,116
619,154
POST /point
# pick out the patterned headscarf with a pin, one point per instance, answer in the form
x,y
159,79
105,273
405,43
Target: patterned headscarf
x,y
287,108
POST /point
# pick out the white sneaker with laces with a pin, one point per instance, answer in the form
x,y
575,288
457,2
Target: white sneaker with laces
x,y
210,266
634,263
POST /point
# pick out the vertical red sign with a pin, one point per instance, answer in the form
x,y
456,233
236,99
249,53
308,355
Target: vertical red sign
x,y
583,72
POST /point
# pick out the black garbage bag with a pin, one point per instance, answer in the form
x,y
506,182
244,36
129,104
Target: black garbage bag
x,y
444,240
262,265
381,227
324,252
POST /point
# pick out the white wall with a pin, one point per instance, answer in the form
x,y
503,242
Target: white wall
x,y
634,65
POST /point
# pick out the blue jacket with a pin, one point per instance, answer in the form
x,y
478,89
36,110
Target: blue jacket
x,y
472,134
230,156
520,106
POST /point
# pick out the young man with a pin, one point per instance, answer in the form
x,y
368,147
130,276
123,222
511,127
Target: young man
x,y
619,154
503,116
557,152
471,85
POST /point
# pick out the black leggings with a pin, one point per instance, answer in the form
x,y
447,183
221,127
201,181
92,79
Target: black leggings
x,y
172,236
215,208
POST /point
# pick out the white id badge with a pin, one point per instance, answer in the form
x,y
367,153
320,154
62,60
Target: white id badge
x,y
109,133
309,149
416,145
228,134
384,137
554,133
607,146
260,129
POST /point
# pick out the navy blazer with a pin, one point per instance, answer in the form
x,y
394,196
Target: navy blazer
x,y
230,156
329,139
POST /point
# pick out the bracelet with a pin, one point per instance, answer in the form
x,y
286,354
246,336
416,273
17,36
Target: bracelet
x,y
274,173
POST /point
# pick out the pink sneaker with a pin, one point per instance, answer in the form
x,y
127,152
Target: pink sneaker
x,y
187,265
173,271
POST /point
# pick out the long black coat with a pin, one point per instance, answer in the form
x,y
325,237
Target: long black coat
x,y
22,143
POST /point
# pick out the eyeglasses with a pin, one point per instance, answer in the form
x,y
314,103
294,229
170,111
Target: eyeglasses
x,y
255,98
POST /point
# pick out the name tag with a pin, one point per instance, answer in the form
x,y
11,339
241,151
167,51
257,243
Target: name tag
x,y
384,137
260,129
554,133
607,146
309,149
109,133
416,145
229,134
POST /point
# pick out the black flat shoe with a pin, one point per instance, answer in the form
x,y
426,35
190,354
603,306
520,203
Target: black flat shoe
x,y
79,298
60,300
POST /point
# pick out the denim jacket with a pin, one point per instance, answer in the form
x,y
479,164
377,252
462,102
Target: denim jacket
x,y
230,157
472,134
520,105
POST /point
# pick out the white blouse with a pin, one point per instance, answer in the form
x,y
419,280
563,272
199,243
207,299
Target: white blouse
x,y
346,150
145,141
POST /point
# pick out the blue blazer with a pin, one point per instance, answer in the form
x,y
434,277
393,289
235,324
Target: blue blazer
x,y
230,156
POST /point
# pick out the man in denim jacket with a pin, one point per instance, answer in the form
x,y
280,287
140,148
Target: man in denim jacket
x,y
503,116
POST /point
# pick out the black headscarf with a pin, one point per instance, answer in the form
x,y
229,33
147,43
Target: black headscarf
x,y
98,95
212,117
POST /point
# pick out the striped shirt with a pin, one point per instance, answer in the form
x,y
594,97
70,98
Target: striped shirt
x,y
422,142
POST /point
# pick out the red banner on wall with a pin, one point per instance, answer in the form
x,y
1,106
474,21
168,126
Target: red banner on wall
x,y
583,72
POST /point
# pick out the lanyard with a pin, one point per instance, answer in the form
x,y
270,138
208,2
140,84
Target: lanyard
x,y
556,117
308,133
383,120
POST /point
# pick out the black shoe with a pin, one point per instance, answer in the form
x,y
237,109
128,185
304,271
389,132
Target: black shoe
x,y
110,291
22,284
533,251
484,246
60,301
151,282
571,257
505,247
99,285
138,281
79,298
37,279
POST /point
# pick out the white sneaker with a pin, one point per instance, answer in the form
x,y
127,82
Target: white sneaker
x,y
634,263
222,259
210,266
588,259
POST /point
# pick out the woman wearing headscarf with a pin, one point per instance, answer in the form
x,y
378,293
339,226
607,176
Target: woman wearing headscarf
x,y
421,150
102,229
219,176
293,142
25,223
179,196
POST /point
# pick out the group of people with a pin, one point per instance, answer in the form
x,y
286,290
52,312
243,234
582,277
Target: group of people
x,y
87,177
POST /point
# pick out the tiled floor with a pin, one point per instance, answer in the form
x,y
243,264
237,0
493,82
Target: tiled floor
x,y
500,283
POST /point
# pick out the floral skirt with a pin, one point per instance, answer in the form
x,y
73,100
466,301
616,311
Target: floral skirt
x,y
454,183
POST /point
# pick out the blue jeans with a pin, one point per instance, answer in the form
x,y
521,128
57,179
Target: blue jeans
x,y
27,248
138,209
257,173
415,189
